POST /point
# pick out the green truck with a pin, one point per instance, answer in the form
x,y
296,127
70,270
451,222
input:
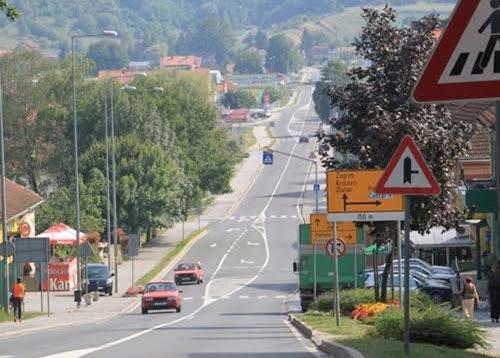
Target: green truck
x,y
352,261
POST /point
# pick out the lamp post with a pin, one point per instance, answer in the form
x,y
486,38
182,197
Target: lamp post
x,y
75,142
4,207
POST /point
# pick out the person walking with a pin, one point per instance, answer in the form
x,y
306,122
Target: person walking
x,y
469,296
18,298
494,292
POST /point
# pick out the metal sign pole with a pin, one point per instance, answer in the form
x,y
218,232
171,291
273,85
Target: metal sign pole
x,y
400,269
314,274
406,325
336,275
48,289
133,259
355,264
41,286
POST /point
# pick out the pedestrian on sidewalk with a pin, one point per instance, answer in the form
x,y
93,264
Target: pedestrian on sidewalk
x,y
494,291
469,297
18,298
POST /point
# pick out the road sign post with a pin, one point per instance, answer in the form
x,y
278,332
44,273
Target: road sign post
x,y
407,174
336,276
134,243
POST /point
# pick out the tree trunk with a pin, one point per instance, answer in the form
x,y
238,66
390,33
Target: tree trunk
x,y
148,233
385,276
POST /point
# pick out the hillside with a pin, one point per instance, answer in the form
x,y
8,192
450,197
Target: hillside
x,y
146,23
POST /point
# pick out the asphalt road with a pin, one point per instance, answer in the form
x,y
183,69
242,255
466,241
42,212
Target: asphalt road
x,y
239,311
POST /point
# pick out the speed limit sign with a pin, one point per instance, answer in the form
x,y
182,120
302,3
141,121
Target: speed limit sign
x,y
340,248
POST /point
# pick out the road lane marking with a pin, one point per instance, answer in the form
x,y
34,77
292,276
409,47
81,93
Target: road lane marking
x,y
232,229
184,298
213,245
247,262
244,297
279,297
249,243
261,297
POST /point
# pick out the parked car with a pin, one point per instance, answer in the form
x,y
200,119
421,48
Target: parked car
x,y
429,267
188,272
97,277
161,295
424,270
303,139
438,290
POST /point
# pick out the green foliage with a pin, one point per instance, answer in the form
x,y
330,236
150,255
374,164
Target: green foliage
x,y
239,99
431,324
261,41
377,112
63,252
248,62
10,10
108,54
149,192
282,56
333,73
349,299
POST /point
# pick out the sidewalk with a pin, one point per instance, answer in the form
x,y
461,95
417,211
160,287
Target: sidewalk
x,y
63,309
493,332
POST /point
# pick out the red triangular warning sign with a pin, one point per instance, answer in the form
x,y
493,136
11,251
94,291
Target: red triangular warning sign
x,y
407,173
465,64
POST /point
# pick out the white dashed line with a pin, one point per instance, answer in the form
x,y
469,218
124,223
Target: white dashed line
x,y
184,298
261,297
243,297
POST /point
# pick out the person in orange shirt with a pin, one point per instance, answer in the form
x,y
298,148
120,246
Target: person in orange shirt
x,y
17,298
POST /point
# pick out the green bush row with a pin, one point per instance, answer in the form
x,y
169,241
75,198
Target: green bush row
x,y
349,299
432,324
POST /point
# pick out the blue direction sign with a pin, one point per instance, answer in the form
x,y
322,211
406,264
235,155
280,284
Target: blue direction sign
x,y
267,158
316,187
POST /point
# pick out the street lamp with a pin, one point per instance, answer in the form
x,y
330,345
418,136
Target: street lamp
x,y
4,207
105,33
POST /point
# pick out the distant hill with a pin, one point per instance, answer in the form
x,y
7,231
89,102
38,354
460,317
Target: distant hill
x,y
145,23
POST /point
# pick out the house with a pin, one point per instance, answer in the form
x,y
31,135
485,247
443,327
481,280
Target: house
x,y
123,77
139,65
182,62
21,205
237,115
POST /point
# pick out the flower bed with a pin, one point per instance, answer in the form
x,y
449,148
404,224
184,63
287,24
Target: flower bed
x,y
365,310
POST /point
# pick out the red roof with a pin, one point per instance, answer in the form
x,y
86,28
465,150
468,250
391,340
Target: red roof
x,y
237,115
181,61
19,199
123,77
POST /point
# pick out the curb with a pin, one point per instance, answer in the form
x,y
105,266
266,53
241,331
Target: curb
x,y
331,348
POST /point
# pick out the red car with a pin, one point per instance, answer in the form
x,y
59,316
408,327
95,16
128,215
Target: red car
x,y
188,272
161,295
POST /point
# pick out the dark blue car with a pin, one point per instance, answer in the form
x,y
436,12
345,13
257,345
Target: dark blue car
x,y
97,277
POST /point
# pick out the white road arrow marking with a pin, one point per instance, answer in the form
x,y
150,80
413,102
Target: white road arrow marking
x,y
247,262
253,243
213,245
232,229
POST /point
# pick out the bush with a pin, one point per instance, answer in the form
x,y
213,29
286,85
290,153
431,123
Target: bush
x,y
431,324
349,299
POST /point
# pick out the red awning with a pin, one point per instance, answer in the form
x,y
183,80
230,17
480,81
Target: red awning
x,y
62,234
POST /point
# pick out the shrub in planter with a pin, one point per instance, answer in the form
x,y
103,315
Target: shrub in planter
x,y
432,324
349,299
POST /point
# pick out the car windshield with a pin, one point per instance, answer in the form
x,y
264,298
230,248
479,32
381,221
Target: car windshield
x,y
183,267
97,272
160,286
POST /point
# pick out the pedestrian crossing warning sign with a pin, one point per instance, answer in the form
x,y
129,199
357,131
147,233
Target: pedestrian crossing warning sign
x,y
465,64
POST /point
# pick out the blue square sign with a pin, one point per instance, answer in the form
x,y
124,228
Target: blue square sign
x,y
267,158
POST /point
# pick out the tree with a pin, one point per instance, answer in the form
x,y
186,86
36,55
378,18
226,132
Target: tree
x,y
149,182
307,41
239,99
107,55
10,10
334,72
261,40
377,112
282,56
248,62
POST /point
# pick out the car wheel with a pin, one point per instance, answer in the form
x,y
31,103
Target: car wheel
x,y
144,311
178,309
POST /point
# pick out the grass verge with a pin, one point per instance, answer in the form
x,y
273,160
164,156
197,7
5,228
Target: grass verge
x,y
148,276
355,334
9,317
